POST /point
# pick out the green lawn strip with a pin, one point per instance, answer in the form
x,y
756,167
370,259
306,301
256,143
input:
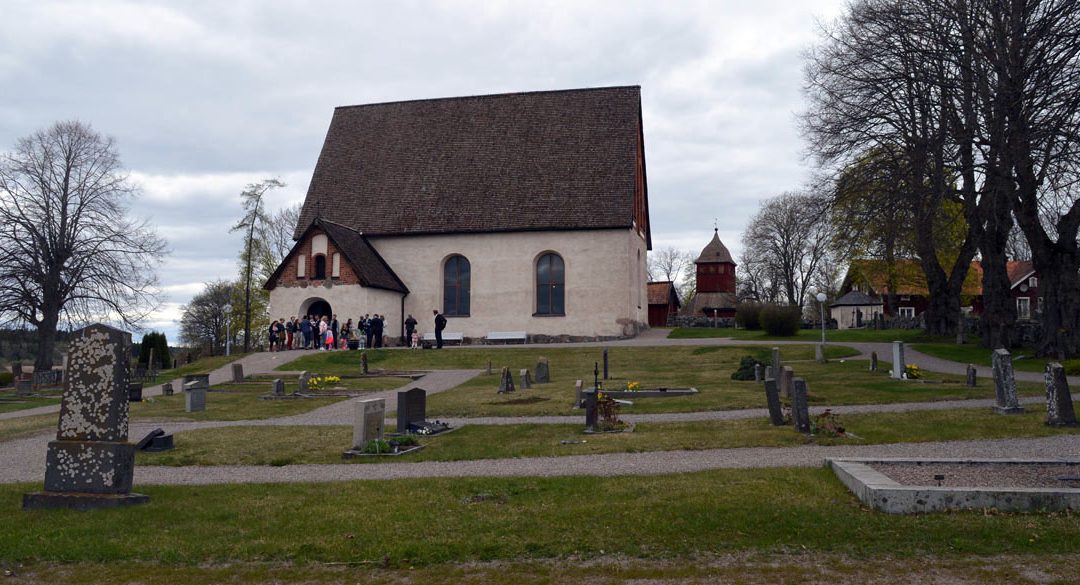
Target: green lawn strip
x,y
736,569
203,365
1024,360
806,335
13,428
372,383
709,370
429,521
9,402
229,402
311,445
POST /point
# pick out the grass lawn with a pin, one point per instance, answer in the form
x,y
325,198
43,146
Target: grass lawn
x,y
203,365
9,402
406,523
709,370
14,428
806,335
312,445
364,384
1024,359
228,402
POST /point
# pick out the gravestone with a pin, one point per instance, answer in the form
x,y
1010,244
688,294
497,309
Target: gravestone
x,y
819,353
605,363
543,371
149,438
91,464
898,363
302,382
1059,404
24,387
506,382
757,372
363,362
237,373
368,418
411,408
278,388
577,394
135,392
786,376
800,412
873,361
775,363
971,375
772,396
770,373
194,397
590,409
1005,384
167,389
202,379
489,368
526,383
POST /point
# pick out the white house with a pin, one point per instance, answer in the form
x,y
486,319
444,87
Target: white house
x,y
514,212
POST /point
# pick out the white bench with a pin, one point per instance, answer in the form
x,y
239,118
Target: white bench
x,y
447,337
507,336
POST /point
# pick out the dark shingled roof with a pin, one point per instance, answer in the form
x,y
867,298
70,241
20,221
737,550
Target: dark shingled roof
x,y
662,292
510,162
369,266
855,299
715,251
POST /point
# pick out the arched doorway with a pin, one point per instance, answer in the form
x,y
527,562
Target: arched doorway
x,y
317,308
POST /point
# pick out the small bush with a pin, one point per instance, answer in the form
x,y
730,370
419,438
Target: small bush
x,y
746,369
781,320
6,378
1072,367
748,316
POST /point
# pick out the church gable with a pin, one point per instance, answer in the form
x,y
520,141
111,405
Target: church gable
x,y
558,160
328,252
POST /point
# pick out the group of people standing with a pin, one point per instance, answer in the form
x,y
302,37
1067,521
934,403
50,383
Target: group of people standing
x,y
325,332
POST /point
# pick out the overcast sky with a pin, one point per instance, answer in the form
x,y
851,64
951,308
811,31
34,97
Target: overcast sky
x,y
206,97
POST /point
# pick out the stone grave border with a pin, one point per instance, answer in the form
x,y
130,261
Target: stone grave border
x,y
886,495
651,392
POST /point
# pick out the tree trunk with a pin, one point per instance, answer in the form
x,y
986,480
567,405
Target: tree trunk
x,y
46,341
999,311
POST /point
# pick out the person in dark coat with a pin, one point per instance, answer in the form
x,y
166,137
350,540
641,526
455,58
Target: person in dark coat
x,y
410,326
440,324
369,329
334,329
305,329
378,323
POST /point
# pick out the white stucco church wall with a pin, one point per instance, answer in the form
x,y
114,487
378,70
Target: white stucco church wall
x,y
605,284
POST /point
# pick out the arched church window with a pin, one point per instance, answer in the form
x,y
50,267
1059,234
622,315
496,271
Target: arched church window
x,y
456,284
320,267
550,285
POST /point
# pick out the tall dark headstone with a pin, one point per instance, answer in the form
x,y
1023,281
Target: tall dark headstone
x,y
873,361
787,375
543,371
971,375
605,363
363,362
411,408
800,411
772,396
135,391
506,381
91,464
591,414
1059,404
489,368
1005,384
775,363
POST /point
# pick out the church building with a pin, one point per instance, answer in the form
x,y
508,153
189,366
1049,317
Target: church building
x,y
513,212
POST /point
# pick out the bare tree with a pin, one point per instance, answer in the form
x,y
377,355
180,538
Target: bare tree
x,y
69,250
670,264
276,235
203,320
785,244
253,224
